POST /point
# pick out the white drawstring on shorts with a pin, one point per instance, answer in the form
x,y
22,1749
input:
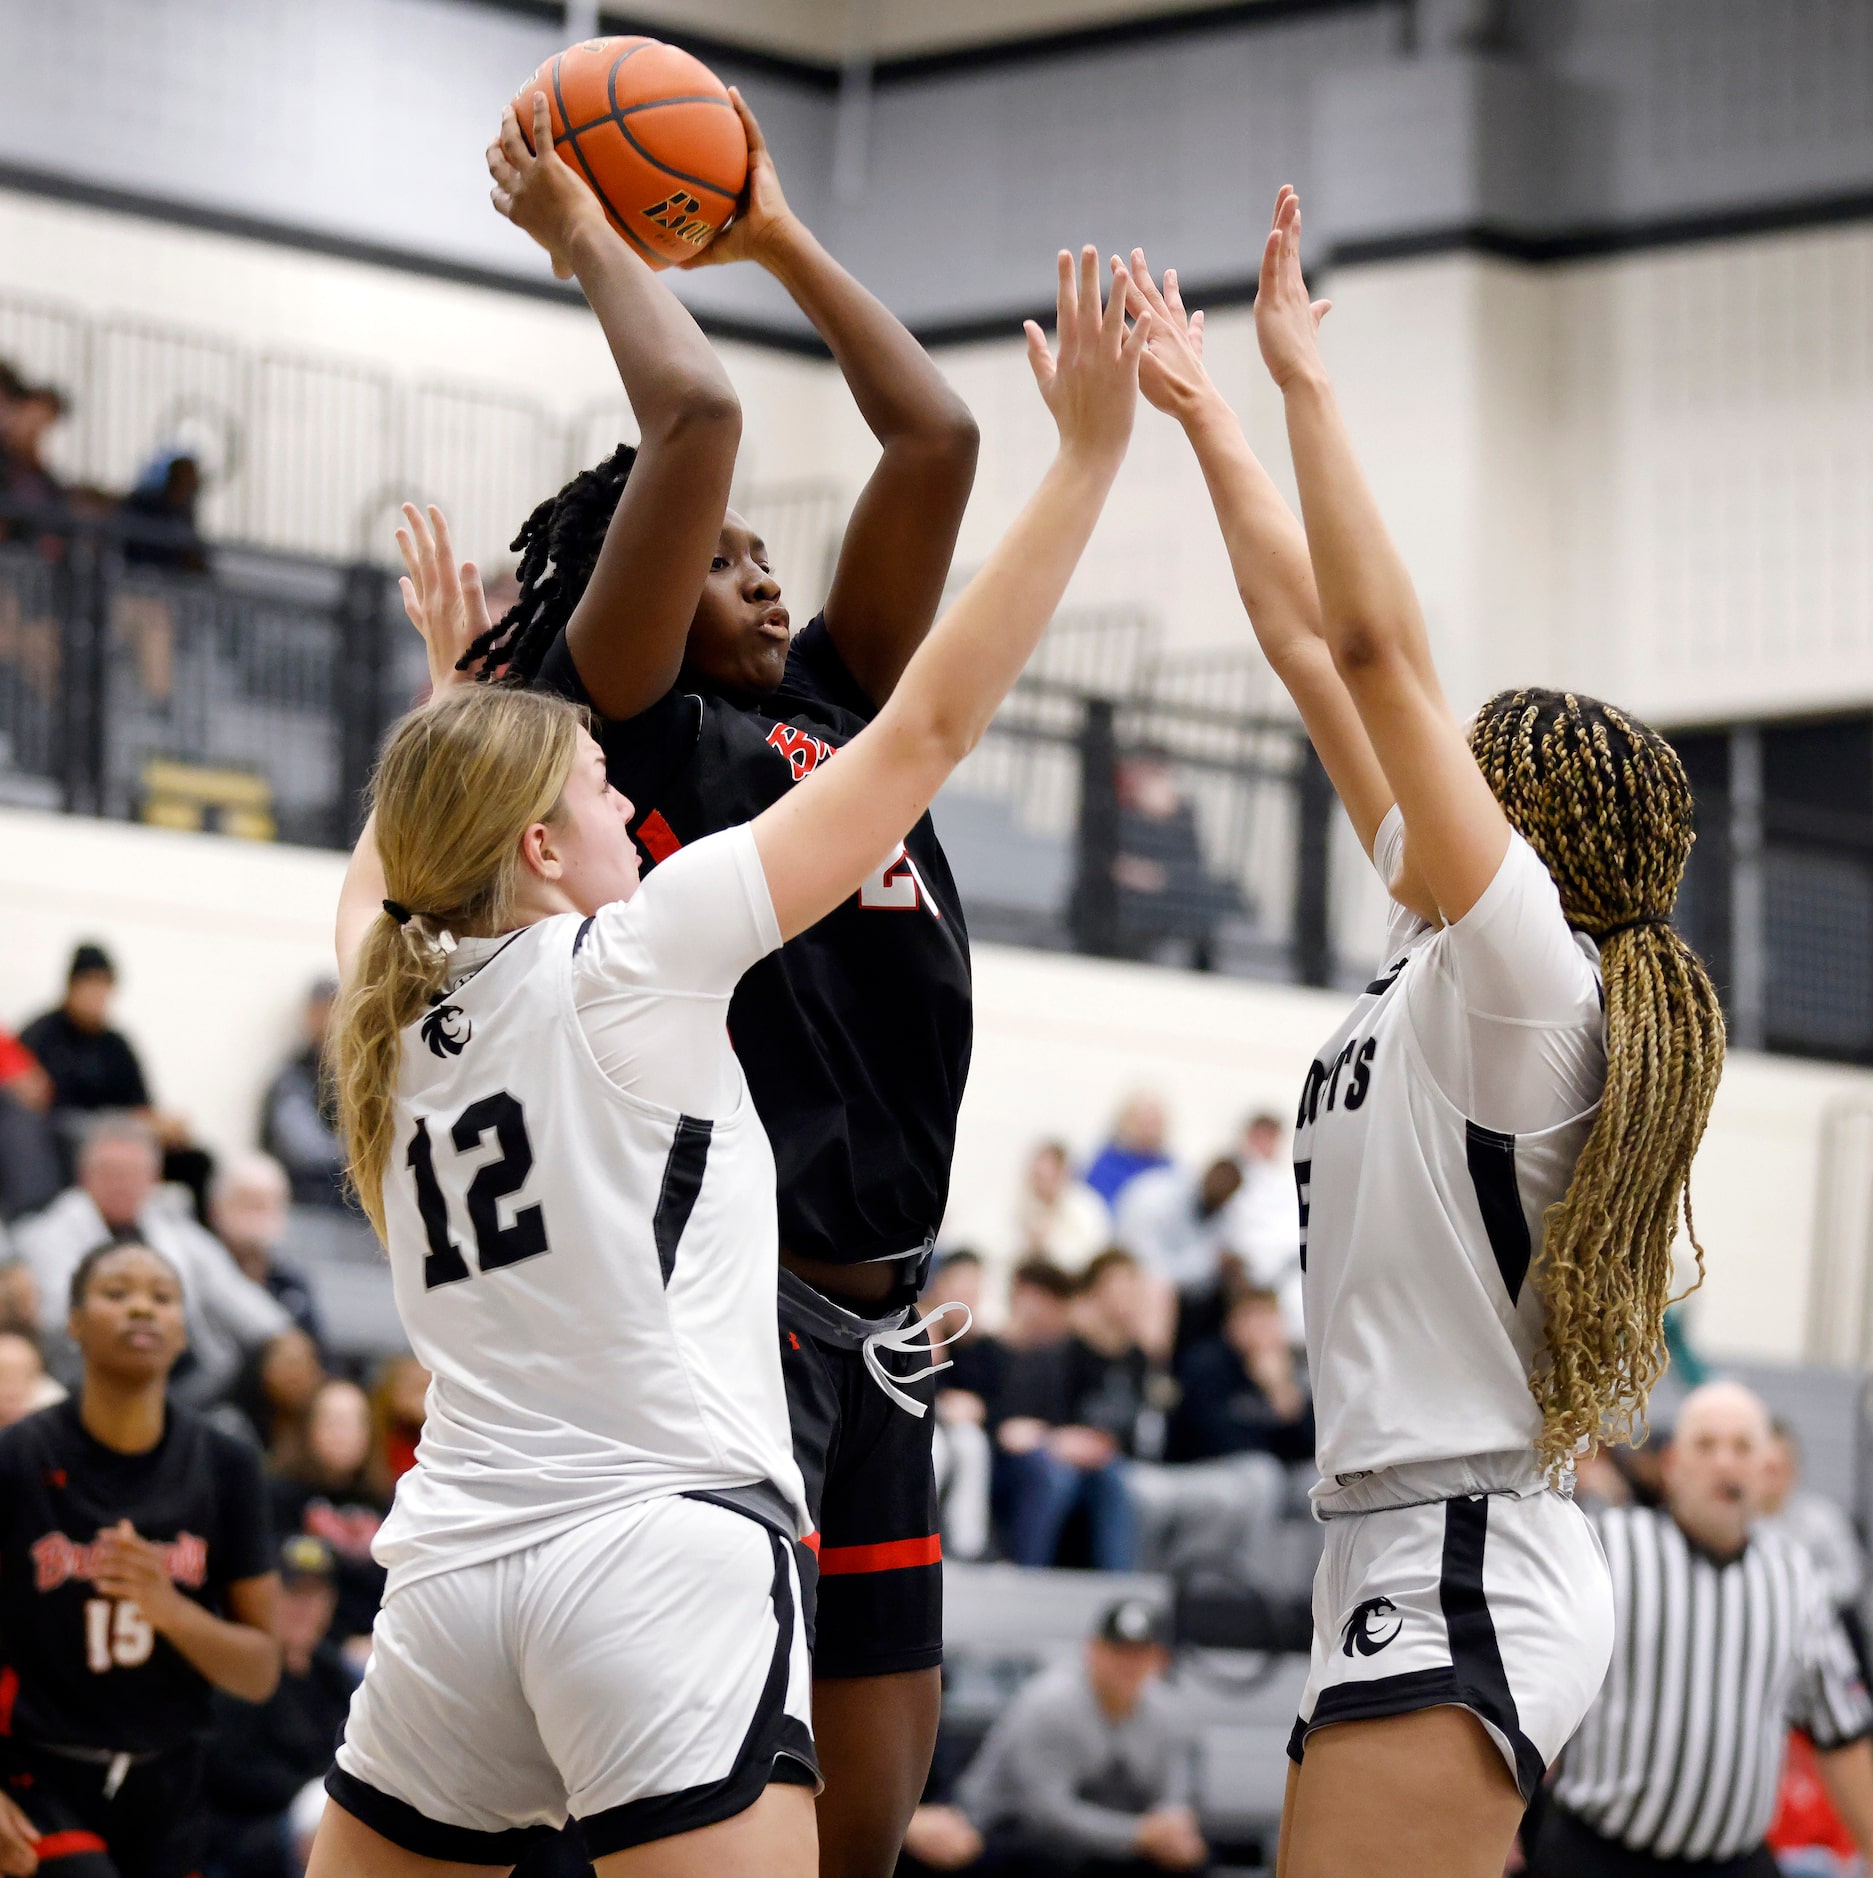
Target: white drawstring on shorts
x,y
913,1339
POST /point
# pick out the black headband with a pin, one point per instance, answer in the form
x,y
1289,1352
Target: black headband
x,y
398,912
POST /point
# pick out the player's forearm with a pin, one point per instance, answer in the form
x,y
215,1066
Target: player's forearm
x,y
1847,1773
1267,545
899,392
360,898
669,370
1368,606
235,1657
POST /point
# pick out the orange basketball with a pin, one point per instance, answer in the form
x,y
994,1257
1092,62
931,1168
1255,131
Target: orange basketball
x,y
651,129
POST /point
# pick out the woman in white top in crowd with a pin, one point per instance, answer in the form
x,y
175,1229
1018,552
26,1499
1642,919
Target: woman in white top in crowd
x,y
592,1602
1492,1150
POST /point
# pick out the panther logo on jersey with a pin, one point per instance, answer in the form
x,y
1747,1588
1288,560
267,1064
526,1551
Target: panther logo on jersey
x,y
1373,1624
446,1030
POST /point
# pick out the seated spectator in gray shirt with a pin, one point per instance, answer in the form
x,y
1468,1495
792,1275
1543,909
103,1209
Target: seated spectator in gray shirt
x,y
118,1197
247,1206
1087,1773
299,1112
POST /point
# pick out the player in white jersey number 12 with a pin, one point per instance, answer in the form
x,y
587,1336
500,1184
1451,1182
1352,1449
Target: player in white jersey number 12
x,y
592,1607
1491,1150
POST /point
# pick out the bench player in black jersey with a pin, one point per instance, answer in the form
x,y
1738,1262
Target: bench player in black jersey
x,y
136,1575
855,1038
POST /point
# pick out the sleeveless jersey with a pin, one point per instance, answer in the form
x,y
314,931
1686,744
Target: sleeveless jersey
x,y
588,1274
856,1035
1420,1216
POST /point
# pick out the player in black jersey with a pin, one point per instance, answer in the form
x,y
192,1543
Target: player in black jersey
x,y
855,1037
136,1574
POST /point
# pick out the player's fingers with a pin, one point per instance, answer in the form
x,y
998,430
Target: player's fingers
x,y
542,127
1140,271
1196,332
500,169
1136,340
1040,360
1112,327
750,124
1173,296
1320,309
1268,284
1066,304
502,201
411,605
476,597
513,143
443,549
1090,309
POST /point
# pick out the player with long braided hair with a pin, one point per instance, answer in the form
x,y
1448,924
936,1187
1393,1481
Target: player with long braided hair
x,y
855,1037
1493,1150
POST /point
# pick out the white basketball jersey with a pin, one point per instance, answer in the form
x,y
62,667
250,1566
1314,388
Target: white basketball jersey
x,y
1420,1216
588,1274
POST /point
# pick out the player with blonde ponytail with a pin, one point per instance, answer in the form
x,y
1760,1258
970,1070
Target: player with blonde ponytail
x,y
593,1607
1492,1149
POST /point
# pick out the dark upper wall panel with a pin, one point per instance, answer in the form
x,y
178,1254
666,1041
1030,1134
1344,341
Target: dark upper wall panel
x,y
1533,127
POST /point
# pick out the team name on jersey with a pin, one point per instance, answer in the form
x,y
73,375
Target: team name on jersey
x,y
1323,1080
804,753
56,1558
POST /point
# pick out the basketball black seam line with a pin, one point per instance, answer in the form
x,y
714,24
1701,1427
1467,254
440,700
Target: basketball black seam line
x,y
696,182
612,215
624,130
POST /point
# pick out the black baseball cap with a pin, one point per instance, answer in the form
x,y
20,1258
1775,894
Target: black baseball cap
x,y
88,958
306,1560
1134,1623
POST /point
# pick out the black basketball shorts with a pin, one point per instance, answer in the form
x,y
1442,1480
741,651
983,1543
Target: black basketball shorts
x,y
149,1826
875,1606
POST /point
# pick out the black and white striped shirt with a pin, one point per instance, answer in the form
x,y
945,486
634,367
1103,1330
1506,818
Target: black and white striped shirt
x,y
1681,1754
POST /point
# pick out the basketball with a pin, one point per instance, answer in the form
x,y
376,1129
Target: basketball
x,y
653,132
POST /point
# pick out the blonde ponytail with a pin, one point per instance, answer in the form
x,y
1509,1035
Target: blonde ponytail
x,y
459,783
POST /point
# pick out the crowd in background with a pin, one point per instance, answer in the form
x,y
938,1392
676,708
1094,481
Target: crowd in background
x,y
1131,1394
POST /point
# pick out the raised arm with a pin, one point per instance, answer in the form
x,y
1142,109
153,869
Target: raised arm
x,y
627,633
1369,611
1267,549
822,839
896,553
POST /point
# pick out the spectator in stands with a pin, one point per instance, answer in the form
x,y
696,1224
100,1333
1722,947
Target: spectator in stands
x,y
968,1401
1137,1145
247,1204
1810,1520
1058,1217
1071,1414
30,1170
333,1489
117,1197
19,1297
261,1758
1238,1391
1085,1775
1263,1227
1175,1224
159,515
27,488
1164,890
94,1068
25,1388
1040,1306
399,1405
299,1113
273,1396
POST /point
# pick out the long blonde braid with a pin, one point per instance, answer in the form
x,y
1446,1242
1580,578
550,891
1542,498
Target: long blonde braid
x,y
1605,803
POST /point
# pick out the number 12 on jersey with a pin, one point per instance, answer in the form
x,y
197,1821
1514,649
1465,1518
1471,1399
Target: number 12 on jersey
x,y
494,1181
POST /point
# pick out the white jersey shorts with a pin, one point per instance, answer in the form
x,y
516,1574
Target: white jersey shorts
x,y
646,1673
1494,1603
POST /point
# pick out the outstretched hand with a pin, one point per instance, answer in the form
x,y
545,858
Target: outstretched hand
x,y
1287,324
1173,376
536,190
1091,385
762,210
445,603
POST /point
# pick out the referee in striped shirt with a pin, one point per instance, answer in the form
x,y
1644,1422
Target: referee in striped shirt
x,y
1722,1642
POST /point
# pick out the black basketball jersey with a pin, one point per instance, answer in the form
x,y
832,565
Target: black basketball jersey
x,y
78,1669
855,1035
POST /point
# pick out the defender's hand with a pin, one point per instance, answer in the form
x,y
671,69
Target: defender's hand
x,y
538,192
1173,376
1287,324
445,603
762,216
1091,386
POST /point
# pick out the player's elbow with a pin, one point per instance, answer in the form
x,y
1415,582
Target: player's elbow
x,y
259,1677
703,410
1362,644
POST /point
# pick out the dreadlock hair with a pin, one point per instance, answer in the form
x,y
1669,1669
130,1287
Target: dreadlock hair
x,y
459,783
1604,801
558,546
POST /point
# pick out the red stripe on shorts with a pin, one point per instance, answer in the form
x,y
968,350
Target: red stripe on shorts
x,y
835,1561
68,1845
